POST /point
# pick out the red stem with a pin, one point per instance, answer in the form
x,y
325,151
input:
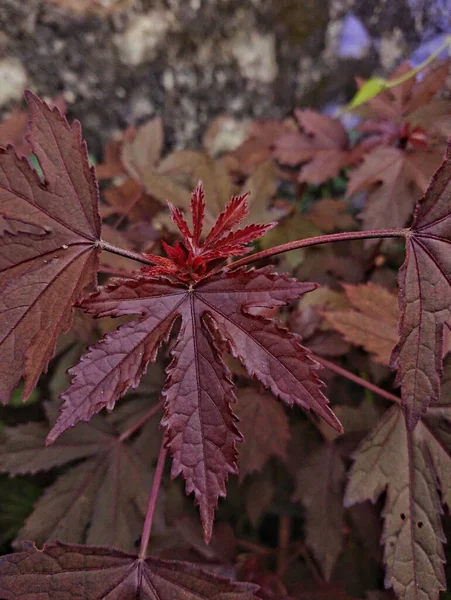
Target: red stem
x,y
131,430
156,484
356,379
122,252
320,239
115,272
284,542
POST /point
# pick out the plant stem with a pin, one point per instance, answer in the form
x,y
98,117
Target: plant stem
x,y
303,552
255,548
115,272
320,239
131,430
420,67
356,379
123,252
153,500
284,542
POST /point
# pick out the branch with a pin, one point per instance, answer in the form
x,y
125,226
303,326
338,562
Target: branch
x,y
145,537
315,241
131,430
356,379
122,252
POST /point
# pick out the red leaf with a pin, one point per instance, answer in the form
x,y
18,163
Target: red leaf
x,y
395,179
198,212
48,244
221,242
99,573
425,298
371,322
322,144
102,500
215,314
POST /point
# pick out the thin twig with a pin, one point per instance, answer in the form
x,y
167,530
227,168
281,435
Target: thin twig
x,y
284,542
315,241
116,272
131,430
156,485
304,553
356,379
256,548
123,252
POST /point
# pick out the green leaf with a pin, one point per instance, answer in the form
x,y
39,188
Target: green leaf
x,y
369,90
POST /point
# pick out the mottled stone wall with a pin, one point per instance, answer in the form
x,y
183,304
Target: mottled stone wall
x,y
190,60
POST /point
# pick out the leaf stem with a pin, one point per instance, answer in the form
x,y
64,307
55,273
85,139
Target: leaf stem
x,y
356,379
131,430
153,500
284,542
123,252
320,239
420,67
255,548
115,272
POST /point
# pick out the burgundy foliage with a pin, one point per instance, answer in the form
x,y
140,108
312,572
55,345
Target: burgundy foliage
x,y
218,329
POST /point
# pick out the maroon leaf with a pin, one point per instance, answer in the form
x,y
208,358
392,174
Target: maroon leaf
x,y
320,489
97,573
102,500
322,144
215,314
409,466
371,322
48,240
395,179
425,298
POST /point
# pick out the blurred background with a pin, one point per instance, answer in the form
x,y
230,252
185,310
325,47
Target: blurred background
x,y
119,62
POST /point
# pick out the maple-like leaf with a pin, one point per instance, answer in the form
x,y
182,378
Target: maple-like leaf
x,y
395,178
309,323
409,466
425,297
372,322
322,143
408,130
320,489
142,150
98,573
101,500
187,167
405,100
48,244
256,148
264,426
216,315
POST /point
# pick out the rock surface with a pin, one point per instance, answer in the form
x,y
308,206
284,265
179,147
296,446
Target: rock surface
x,y
118,62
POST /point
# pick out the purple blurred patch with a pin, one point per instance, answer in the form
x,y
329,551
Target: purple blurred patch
x,y
349,120
355,41
427,48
